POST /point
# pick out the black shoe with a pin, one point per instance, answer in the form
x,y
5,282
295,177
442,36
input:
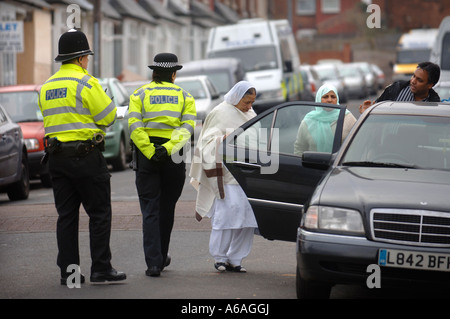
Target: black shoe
x,y
167,262
153,271
64,280
110,275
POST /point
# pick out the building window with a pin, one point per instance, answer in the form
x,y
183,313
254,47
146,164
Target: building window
x,y
306,7
331,6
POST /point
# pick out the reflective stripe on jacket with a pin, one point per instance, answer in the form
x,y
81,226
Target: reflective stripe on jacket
x,y
161,110
74,105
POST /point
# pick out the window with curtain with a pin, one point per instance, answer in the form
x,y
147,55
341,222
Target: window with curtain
x,y
331,6
306,7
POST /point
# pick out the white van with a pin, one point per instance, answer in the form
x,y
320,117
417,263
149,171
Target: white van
x,y
440,54
269,56
412,48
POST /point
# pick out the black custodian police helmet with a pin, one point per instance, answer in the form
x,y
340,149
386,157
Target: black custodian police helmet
x,y
72,44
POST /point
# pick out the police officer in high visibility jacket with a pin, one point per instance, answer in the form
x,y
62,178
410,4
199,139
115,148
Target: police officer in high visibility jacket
x,y
76,111
161,121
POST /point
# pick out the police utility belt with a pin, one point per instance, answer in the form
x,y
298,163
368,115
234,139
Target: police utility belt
x,y
76,148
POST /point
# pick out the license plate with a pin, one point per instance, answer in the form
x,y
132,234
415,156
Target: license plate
x,y
413,260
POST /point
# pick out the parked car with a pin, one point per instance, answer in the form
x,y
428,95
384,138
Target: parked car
x,y
21,103
14,179
132,86
222,72
443,89
117,140
379,74
371,80
354,80
311,82
329,73
379,199
204,92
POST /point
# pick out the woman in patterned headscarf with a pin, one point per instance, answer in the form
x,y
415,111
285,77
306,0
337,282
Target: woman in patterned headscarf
x,y
316,132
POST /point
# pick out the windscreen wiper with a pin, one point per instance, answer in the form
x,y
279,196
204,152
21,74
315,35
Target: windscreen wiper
x,y
379,164
28,120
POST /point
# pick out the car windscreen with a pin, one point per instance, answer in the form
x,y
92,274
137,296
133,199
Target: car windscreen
x,y
221,80
443,92
253,58
194,87
413,56
22,106
401,140
327,73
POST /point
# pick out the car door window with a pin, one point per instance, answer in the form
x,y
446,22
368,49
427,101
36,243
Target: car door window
x,y
290,124
261,157
294,131
257,136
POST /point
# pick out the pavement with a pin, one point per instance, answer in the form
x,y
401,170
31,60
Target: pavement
x,y
29,271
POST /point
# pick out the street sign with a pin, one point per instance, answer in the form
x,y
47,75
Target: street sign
x,y
11,37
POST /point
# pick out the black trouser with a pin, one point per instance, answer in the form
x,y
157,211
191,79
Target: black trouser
x,y
159,185
82,180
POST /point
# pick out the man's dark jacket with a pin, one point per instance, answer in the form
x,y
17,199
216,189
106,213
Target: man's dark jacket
x,y
392,91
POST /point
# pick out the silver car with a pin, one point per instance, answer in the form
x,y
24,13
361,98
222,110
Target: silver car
x,y
117,140
354,80
371,79
329,73
14,178
205,94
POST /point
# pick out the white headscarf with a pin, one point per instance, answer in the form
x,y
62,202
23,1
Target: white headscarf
x,y
237,92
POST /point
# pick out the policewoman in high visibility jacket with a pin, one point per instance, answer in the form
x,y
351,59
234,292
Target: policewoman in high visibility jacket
x,y
161,121
76,111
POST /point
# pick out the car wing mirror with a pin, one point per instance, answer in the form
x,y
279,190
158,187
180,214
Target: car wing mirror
x,y
317,160
121,112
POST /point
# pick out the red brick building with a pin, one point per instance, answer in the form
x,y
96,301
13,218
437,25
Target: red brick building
x,y
404,15
321,16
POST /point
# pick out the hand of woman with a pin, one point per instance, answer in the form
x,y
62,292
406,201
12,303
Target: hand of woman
x,y
365,105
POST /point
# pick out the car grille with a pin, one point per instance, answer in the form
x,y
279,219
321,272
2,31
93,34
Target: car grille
x,y
416,227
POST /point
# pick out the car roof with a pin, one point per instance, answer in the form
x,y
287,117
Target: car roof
x,y
412,108
213,63
21,87
192,77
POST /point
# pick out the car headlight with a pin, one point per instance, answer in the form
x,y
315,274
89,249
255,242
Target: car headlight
x,y
333,219
32,144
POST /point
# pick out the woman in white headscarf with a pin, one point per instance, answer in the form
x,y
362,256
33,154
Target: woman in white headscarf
x,y
219,196
316,132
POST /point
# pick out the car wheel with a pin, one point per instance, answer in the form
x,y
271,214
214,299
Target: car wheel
x,y
307,289
120,162
21,189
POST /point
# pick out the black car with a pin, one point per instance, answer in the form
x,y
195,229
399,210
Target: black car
x,y
381,199
14,179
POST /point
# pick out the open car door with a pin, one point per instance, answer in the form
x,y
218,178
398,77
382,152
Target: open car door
x,y
265,157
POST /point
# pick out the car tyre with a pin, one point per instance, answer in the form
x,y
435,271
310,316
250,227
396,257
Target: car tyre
x,y
120,162
21,189
307,289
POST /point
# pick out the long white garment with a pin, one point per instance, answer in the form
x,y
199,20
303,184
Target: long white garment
x,y
219,196
208,176
232,212
231,245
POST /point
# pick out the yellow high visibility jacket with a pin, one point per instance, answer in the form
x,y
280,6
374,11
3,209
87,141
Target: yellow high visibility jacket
x,y
74,105
162,110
